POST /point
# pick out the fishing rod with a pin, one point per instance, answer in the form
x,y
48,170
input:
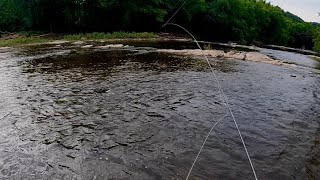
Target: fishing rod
x,y
224,98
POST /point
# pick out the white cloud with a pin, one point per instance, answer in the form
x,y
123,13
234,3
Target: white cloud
x,y
306,9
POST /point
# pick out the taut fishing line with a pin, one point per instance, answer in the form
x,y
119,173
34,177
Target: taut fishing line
x,y
6,115
224,99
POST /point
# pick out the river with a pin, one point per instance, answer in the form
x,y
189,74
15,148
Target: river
x,y
68,112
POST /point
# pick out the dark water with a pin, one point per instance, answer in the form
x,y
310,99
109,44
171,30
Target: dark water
x,y
139,114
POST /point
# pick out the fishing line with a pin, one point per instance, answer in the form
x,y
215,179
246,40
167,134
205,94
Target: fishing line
x,y
224,98
174,14
204,142
6,115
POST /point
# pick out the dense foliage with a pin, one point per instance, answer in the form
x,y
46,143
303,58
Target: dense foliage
x,y
219,20
317,39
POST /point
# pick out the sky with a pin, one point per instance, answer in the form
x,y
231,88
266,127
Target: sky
x,y
306,9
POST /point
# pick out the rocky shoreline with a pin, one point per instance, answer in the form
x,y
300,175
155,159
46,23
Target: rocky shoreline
x,y
233,54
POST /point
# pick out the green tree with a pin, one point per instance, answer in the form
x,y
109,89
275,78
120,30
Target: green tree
x,y
14,15
316,36
218,20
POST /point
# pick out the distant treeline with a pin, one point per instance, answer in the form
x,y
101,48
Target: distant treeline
x,y
243,21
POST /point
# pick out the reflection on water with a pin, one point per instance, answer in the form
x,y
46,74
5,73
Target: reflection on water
x,y
133,113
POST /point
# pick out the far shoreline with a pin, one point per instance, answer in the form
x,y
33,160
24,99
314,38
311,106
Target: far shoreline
x,y
25,39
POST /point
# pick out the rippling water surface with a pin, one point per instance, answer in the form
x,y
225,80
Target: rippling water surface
x,y
133,113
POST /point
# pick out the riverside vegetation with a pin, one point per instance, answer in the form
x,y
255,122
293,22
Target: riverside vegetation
x,y
244,21
22,38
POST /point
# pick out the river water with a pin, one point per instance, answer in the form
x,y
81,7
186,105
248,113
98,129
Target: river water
x,y
133,113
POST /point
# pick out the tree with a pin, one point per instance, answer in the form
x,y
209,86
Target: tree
x,y
14,16
316,39
244,21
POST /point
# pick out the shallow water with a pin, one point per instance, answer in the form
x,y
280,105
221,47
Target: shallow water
x,y
137,114
298,59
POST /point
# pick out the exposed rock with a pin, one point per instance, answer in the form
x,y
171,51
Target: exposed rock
x,y
111,46
78,43
238,55
87,46
57,42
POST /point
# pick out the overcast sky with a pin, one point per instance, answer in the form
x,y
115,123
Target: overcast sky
x,y
306,9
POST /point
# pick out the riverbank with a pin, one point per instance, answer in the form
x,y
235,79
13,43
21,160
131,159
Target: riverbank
x,y
32,38
178,45
233,54
25,39
166,43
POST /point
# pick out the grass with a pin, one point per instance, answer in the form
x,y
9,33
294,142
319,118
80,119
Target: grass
x,y
22,40
114,35
31,38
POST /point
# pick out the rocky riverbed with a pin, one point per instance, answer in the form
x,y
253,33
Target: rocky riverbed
x,y
97,111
